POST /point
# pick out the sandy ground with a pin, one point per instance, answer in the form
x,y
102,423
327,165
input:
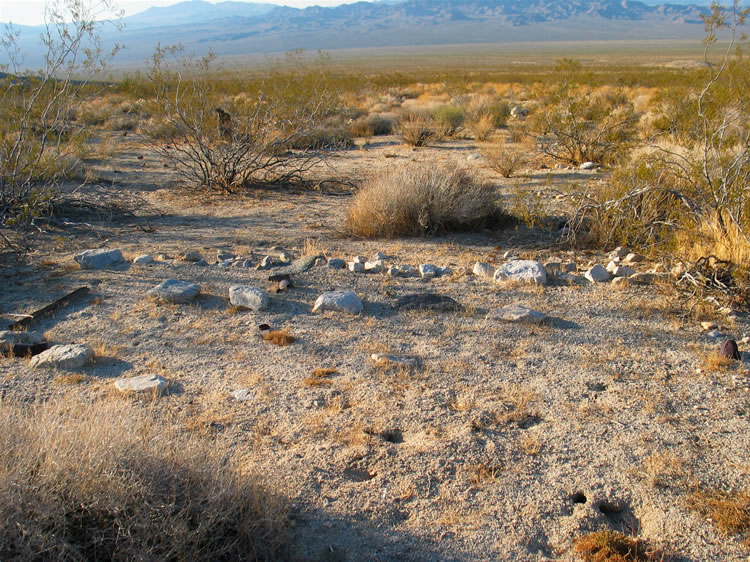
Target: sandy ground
x,y
505,442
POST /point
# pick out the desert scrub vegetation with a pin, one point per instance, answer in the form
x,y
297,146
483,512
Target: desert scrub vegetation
x,y
685,193
503,159
417,129
226,134
107,480
613,546
418,199
449,118
40,142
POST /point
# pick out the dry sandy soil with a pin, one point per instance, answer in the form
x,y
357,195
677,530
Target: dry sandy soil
x,y
506,442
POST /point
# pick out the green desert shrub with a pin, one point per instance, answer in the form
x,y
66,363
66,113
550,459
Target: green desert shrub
x,y
418,199
449,118
107,481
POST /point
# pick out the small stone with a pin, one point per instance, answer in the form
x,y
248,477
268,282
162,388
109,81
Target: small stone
x,y
200,263
336,263
144,259
72,356
374,266
623,271
730,351
222,255
597,274
526,271
706,326
611,266
516,313
192,256
244,395
379,256
632,258
427,270
587,166
143,384
482,269
248,297
394,359
266,263
510,255
569,267
339,301
714,334
360,259
286,257
162,257
226,263
247,263
473,156
356,267
618,253
99,259
175,291
427,301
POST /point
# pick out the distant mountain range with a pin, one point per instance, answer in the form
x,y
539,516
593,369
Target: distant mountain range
x,y
234,28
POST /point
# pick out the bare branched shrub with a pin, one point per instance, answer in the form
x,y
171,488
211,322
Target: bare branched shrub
x,y
39,139
417,199
270,133
576,124
106,481
417,129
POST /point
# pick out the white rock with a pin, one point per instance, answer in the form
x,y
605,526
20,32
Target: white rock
x,y
63,357
379,256
145,259
526,271
516,313
394,359
356,267
587,166
618,253
482,269
98,259
374,266
623,271
705,326
143,384
713,333
175,291
632,258
611,266
427,270
597,274
339,301
244,394
248,297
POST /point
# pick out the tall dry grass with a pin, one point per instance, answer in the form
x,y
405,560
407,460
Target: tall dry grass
x,y
106,481
417,199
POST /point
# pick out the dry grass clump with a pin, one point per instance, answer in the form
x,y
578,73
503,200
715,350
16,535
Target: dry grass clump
x,y
611,546
482,127
279,337
417,199
320,376
716,362
502,159
729,511
105,481
417,129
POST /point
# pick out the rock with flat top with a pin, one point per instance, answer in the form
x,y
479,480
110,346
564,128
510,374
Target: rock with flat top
x,y
69,357
143,384
175,291
524,271
144,259
248,297
516,313
99,259
339,301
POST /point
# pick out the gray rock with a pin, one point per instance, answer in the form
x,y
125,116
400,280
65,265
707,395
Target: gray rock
x,y
379,256
394,272
618,253
474,156
99,259
336,263
200,263
428,271
360,259
518,111
248,297
374,266
482,269
226,263
632,258
516,313
587,166
356,267
386,358
221,255
145,259
339,301
267,262
244,395
598,274
408,271
192,256
569,267
175,291
623,271
71,356
714,334
427,301
444,271
143,384
525,271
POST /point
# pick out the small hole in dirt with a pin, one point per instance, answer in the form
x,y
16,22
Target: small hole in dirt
x,y
579,497
610,509
392,435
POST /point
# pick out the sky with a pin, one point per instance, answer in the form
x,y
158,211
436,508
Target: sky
x,y
31,12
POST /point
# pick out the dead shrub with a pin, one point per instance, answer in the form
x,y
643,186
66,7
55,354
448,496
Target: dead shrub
x,y
729,511
413,200
503,159
481,127
106,481
611,546
279,337
417,129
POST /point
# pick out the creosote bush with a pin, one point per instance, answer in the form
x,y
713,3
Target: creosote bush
x,y
417,130
417,199
107,481
503,159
